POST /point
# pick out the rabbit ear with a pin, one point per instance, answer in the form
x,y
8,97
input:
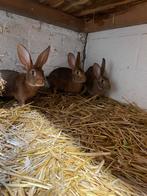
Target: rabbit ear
x,y
96,70
77,64
71,60
103,66
24,57
42,58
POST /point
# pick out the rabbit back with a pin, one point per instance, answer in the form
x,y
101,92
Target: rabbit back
x,y
61,79
15,85
90,79
68,80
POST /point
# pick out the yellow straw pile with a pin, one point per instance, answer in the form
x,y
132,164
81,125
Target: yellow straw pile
x,y
2,85
37,158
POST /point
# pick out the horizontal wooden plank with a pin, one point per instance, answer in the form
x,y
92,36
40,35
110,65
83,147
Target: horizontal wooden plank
x,y
74,4
99,8
43,13
133,16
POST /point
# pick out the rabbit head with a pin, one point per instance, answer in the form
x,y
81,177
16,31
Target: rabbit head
x,y
35,75
78,75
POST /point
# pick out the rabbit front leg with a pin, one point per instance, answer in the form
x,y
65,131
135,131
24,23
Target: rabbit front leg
x,y
21,102
54,90
84,90
20,99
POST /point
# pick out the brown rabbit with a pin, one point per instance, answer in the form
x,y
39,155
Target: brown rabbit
x,y
97,83
23,86
68,80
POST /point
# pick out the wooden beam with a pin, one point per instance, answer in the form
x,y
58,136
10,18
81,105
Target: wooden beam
x,y
75,4
42,12
99,8
133,16
53,3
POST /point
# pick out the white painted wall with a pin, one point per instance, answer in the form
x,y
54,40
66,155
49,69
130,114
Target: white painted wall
x,y
125,51
36,36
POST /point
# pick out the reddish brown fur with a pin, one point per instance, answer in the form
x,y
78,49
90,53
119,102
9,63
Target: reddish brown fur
x,y
68,80
23,86
61,80
23,90
97,83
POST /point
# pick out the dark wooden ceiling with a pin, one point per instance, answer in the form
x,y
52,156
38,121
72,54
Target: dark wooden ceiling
x,y
81,15
90,8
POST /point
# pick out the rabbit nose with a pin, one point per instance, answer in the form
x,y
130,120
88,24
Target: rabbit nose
x,y
41,82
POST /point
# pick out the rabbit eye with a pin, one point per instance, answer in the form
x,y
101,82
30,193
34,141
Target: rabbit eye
x,y
78,72
102,81
33,72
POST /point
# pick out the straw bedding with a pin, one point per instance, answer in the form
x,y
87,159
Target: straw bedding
x,y
67,145
2,85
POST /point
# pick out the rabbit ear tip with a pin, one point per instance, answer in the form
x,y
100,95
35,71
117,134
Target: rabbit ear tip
x,y
95,65
78,55
19,45
49,47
